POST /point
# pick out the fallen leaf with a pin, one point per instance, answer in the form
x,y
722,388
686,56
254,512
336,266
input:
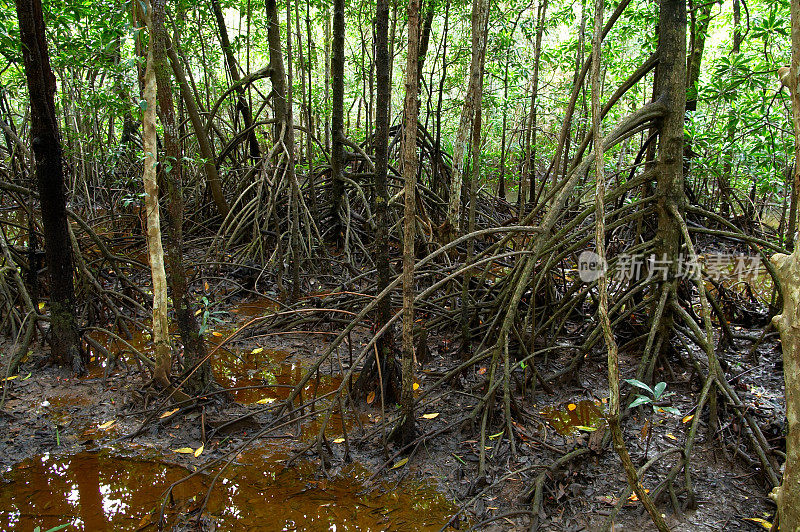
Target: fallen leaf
x,y
217,334
400,463
415,386
482,370
107,424
198,312
205,285
168,413
370,398
670,436
430,416
184,450
585,428
571,407
338,440
41,305
763,522
11,378
265,401
199,450
256,351
688,418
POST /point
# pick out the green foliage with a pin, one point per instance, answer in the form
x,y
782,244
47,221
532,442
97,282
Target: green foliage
x,y
655,394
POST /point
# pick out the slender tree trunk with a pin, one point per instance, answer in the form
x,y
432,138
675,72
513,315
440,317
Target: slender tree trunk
x,y
291,171
787,495
727,167
410,164
64,338
602,311
480,15
200,131
233,69
337,123
383,88
193,344
155,250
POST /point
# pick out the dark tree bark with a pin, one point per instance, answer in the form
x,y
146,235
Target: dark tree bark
x,y
233,69
406,428
64,339
194,346
337,122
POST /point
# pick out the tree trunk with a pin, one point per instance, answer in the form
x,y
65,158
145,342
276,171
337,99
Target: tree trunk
x,y
200,131
337,123
410,164
480,16
233,69
193,344
155,250
64,338
787,495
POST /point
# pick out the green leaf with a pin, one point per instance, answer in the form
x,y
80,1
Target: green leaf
x,y
671,410
640,400
639,384
659,389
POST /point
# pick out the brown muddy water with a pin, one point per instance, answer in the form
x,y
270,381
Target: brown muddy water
x,y
107,491
99,491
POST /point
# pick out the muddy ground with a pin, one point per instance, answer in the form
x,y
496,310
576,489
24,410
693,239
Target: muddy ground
x,y
82,450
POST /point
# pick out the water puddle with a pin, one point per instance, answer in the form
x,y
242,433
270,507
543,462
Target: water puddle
x,y
570,418
98,492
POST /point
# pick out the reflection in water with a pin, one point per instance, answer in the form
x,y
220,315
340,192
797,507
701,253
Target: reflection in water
x,y
570,418
99,492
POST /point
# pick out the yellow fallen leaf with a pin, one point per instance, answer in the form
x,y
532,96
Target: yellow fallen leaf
x,y
199,450
763,522
168,413
11,378
400,463
415,386
41,305
572,406
184,450
217,334
205,285
256,351
482,370
688,418
198,312
338,440
107,424
670,436
635,498
265,401
585,428
370,398
430,416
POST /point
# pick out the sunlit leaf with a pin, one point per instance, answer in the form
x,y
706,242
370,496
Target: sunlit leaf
x,y
763,522
338,440
415,386
571,407
432,415
256,351
216,333
370,397
107,424
400,463
670,436
688,418
184,450
199,450
168,413
265,401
